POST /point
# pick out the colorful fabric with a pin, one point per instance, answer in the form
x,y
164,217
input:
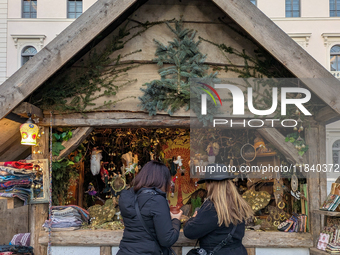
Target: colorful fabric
x,y
323,241
11,177
16,249
333,248
19,165
84,213
9,184
23,239
15,171
68,217
19,192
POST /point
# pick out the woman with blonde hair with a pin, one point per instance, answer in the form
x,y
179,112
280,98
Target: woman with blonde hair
x,y
219,224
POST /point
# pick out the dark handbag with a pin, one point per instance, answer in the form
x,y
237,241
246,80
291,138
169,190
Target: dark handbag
x,y
226,241
147,229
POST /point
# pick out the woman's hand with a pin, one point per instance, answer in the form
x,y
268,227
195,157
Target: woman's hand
x,y
176,216
195,214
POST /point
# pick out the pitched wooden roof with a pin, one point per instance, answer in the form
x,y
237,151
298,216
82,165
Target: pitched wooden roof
x,y
109,14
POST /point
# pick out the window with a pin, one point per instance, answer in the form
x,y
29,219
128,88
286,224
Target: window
x,y
29,9
292,8
336,152
334,8
335,58
74,8
253,2
27,53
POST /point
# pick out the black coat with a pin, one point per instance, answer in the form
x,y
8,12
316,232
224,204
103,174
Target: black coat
x,y
155,211
204,227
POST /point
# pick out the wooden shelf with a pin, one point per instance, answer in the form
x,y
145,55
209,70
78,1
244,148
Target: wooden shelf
x,y
266,239
315,251
328,213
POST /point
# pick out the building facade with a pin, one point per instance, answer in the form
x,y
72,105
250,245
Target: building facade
x,y
26,26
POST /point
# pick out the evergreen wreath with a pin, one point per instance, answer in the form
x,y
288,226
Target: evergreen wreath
x,y
180,62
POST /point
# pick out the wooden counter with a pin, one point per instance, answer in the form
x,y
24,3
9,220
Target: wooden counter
x,y
112,238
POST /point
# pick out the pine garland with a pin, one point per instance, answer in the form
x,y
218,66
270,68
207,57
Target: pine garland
x,y
179,62
99,76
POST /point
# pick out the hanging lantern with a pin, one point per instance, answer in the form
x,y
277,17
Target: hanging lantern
x,y
29,132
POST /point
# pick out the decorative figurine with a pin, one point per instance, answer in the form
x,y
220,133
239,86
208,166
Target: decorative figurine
x,y
92,192
95,161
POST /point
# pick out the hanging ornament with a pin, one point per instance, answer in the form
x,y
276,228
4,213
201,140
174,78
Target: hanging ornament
x,y
118,183
29,132
294,183
96,157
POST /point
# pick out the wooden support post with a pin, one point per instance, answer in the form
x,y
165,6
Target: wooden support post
x,y
322,160
105,250
251,251
81,179
42,147
38,213
314,137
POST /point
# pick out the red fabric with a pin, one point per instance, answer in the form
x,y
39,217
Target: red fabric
x,y
19,165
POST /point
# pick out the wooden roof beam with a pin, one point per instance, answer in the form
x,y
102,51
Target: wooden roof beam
x,y
275,138
284,49
79,135
14,150
327,115
59,51
24,108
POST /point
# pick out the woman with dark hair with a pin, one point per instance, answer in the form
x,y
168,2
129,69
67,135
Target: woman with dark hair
x,y
150,227
219,224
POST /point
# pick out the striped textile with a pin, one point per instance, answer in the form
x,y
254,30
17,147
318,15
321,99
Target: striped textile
x,y
22,239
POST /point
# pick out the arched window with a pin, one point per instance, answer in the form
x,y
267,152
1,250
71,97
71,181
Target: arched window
x,y
336,152
335,58
27,53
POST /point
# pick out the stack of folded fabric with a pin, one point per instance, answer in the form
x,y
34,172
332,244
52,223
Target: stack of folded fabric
x,y
333,248
15,249
69,217
15,179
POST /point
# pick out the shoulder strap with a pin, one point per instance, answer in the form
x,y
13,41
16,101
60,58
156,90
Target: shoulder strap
x,y
226,241
143,223
146,228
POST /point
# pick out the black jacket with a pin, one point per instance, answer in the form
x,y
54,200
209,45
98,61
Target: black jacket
x,y
204,227
155,211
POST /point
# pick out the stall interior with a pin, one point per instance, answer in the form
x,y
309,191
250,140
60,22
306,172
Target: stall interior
x,y
108,159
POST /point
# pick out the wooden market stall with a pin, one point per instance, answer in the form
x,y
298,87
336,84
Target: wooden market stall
x,y
112,45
